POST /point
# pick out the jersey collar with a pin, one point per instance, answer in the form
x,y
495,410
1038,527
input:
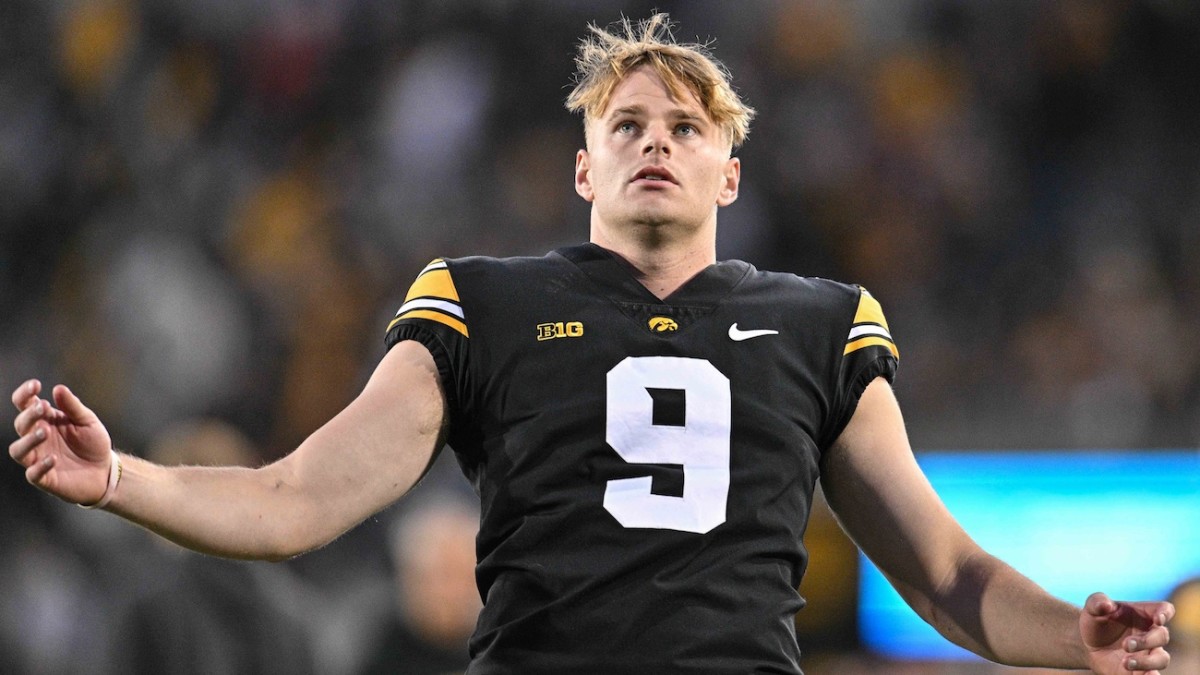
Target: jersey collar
x,y
613,275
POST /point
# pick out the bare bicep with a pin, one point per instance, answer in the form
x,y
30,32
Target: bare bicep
x,y
884,501
377,448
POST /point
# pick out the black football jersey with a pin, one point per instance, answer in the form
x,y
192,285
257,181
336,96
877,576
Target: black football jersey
x,y
645,467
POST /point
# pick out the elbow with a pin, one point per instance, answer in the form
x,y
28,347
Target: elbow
x,y
955,607
302,541
290,529
290,539
278,557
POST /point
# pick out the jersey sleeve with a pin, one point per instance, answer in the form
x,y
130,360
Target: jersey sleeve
x,y
869,352
433,315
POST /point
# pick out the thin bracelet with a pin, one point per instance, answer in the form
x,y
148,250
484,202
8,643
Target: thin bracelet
x,y
114,477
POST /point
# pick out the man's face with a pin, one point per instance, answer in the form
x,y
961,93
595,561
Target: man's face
x,y
653,160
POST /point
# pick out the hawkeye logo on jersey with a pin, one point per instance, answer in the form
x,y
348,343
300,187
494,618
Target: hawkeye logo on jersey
x,y
663,324
559,329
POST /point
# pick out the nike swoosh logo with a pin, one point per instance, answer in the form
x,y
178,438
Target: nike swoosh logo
x,y
738,335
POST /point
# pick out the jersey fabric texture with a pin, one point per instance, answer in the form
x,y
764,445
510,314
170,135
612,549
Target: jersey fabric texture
x,y
645,467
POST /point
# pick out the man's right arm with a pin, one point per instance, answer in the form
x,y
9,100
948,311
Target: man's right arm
x,y
366,457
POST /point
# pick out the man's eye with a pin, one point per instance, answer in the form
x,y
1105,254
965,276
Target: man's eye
x,y
626,127
686,130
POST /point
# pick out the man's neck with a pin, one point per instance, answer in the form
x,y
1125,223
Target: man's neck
x,y
661,264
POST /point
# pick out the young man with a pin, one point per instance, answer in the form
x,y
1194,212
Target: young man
x,y
645,427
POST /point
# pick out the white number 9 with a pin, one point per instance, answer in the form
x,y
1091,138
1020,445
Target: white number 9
x,y
701,445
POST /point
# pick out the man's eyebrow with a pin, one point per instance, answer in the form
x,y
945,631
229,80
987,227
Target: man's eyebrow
x,y
639,110
628,110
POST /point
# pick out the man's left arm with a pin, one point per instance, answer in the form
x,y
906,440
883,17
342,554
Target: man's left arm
x,y
887,506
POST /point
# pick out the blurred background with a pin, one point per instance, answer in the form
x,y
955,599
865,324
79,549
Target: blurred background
x,y
209,210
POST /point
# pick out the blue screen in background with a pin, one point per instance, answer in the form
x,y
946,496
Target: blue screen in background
x,y
1126,523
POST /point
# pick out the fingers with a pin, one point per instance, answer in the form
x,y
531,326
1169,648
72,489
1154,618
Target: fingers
x,y
25,420
69,408
1141,615
1152,661
1147,651
1164,613
38,470
21,447
1158,636
30,433
1099,605
22,394
70,404
1144,615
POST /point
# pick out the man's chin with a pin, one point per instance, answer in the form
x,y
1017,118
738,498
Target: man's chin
x,y
655,218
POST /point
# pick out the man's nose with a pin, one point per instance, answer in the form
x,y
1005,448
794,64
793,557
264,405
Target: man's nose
x,y
657,141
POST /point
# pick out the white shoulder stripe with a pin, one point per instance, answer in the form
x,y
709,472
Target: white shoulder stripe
x,y
435,265
868,329
428,303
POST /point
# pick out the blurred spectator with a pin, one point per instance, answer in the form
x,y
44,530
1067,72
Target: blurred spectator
x,y
49,593
436,602
1185,628
191,613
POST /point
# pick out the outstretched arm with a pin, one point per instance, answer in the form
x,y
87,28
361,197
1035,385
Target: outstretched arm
x,y
887,506
366,457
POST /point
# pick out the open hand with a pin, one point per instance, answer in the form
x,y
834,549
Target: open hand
x,y
64,447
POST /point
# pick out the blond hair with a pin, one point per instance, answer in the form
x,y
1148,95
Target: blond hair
x,y
605,57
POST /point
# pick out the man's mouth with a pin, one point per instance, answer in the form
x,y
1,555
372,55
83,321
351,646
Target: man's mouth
x,y
654,174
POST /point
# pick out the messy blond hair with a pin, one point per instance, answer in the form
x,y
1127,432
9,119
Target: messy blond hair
x,y
605,57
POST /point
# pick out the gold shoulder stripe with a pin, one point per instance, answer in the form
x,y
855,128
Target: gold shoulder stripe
x,y
870,328
435,283
871,341
432,315
433,296
869,310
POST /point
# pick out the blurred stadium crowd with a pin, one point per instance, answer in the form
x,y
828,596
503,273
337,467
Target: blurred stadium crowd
x,y
209,210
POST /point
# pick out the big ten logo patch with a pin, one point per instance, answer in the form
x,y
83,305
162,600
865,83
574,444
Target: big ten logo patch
x,y
559,329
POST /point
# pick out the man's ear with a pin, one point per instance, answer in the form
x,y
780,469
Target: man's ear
x,y
583,177
732,176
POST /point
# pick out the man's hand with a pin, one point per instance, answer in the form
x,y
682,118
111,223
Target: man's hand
x,y
64,447
1124,637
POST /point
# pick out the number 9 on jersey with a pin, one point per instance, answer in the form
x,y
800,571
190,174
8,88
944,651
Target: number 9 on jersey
x,y
700,445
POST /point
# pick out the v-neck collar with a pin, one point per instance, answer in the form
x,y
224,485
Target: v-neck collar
x,y
606,270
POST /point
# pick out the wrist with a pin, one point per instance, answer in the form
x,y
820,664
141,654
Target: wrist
x,y
114,479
